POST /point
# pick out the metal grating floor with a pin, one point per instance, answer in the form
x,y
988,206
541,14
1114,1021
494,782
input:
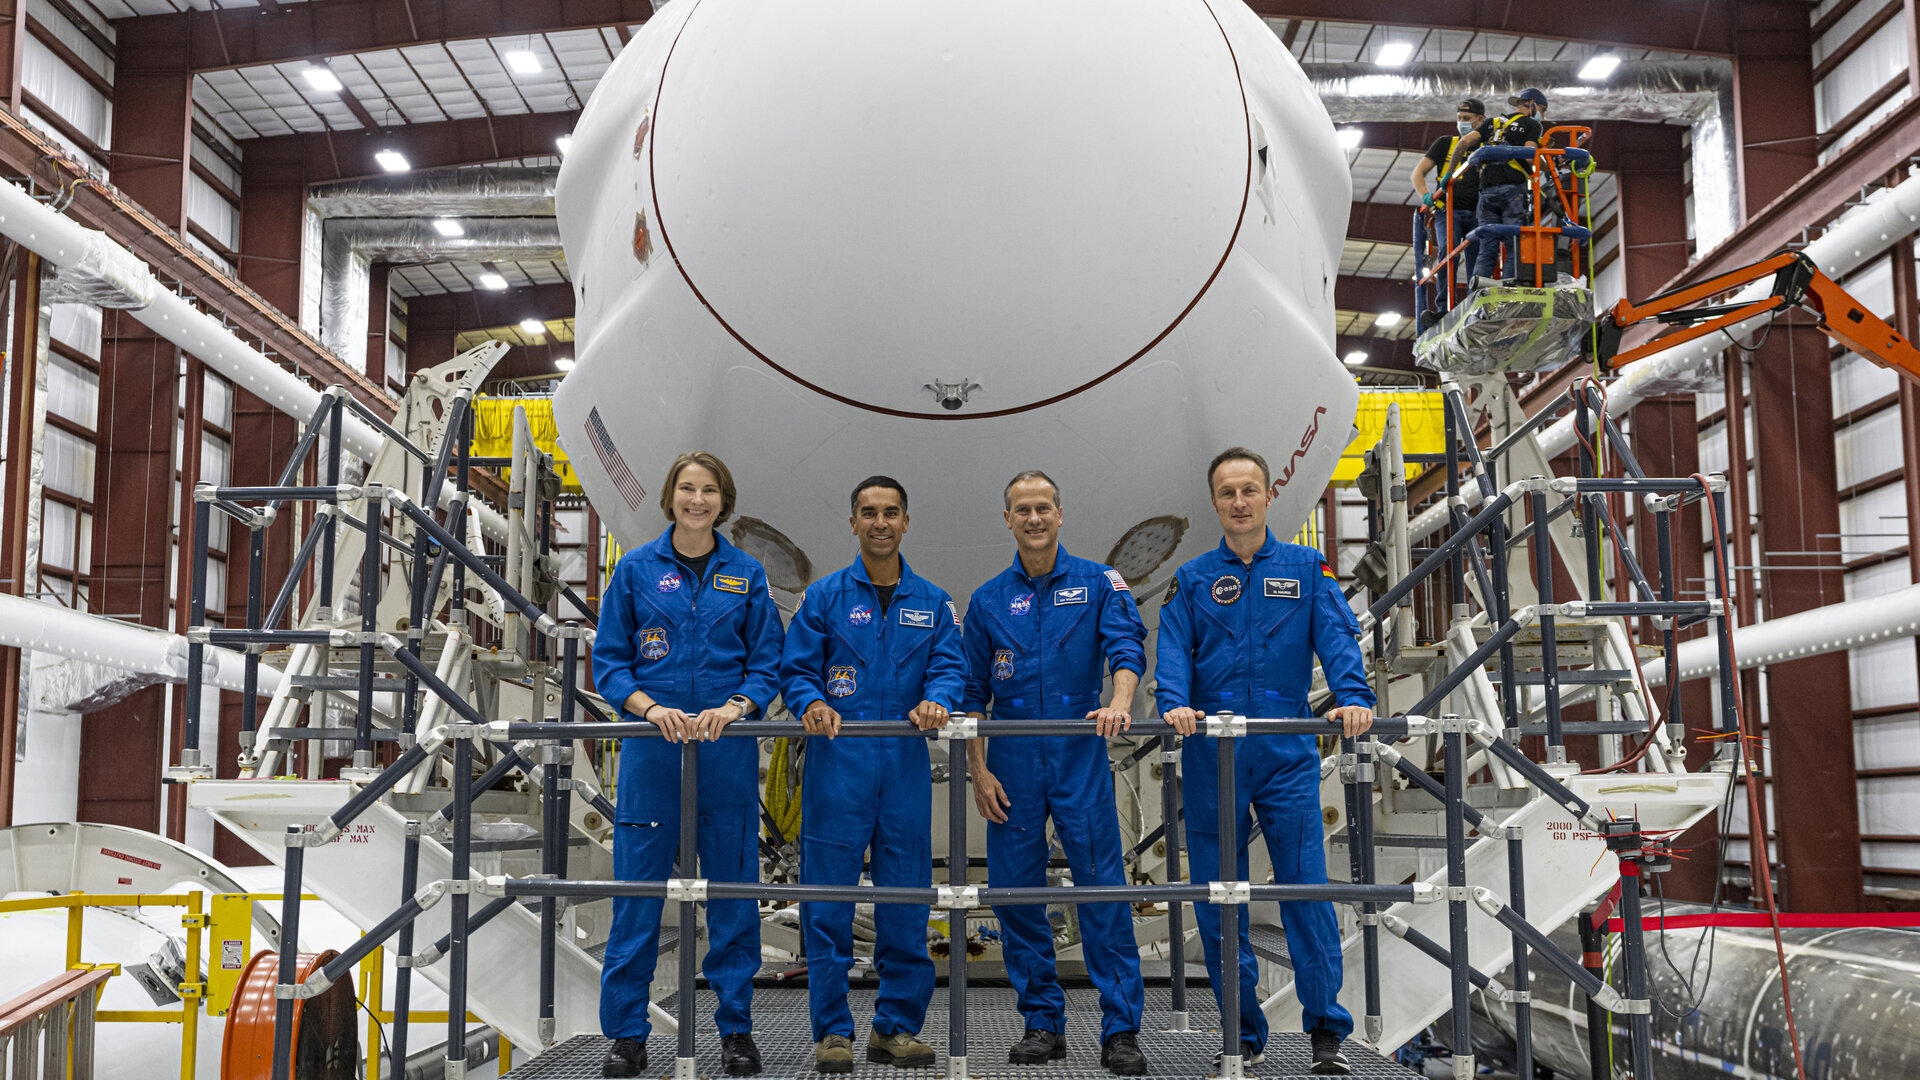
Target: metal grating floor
x,y
784,1034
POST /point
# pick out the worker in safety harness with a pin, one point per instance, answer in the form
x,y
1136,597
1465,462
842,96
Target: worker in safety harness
x,y
688,640
1446,160
1504,184
1038,637
1239,628
874,642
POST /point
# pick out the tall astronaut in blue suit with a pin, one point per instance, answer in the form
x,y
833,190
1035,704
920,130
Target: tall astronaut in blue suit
x,y
689,640
1038,637
1239,627
872,642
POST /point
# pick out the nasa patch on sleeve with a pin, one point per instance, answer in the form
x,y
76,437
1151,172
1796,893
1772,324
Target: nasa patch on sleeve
x,y
1283,588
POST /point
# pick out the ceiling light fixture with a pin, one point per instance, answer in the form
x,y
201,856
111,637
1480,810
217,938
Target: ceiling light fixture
x,y
1394,54
1387,320
491,280
392,160
564,363
533,326
321,78
446,226
565,143
521,62
1350,137
1356,358
1599,66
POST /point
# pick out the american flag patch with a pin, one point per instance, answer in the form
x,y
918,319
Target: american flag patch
x,y
953,611
611,460
1119,583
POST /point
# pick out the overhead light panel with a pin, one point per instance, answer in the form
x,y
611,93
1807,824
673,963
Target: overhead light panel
x,y
392,161
1387,320
446,226
1349,137
522,62
564,363
533,326
1356,358
565,143
1599,66
1394,53
321,78
491,280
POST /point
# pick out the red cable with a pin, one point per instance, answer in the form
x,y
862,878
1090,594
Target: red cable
x,y
1843,920
1756,823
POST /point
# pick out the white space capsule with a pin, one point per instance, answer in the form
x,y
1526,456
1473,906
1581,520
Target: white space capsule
x,y
947,241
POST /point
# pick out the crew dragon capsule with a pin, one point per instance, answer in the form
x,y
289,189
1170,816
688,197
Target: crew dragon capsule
x,y
947,241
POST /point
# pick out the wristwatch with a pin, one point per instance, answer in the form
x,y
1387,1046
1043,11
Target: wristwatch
x,y
743,702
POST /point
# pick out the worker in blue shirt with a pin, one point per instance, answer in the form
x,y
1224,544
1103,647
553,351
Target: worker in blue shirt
x,y
1239,627
1038,637
873,642
688,640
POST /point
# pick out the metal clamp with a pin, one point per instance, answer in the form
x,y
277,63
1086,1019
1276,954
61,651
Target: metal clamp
x,y
554,754
960,726
1368,918
1225,725
687,889
1457,893
1510,996
1453,723
1229,892
495,885
958,896
1635,1007
1426,892
459,887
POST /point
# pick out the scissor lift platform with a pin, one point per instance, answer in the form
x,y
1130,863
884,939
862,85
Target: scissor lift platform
x,y
782,1029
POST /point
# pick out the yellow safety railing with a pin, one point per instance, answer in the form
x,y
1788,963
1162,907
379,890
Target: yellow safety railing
x,y
192,990
225,920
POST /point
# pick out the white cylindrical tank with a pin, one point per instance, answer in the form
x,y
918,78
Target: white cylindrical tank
x,y
947,242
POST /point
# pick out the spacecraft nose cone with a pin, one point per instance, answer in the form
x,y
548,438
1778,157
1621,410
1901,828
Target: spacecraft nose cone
x,y
886,200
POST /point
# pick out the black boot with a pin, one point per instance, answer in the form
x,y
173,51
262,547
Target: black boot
x,y
1038,1047
626,1057
1121,1055
739,1056
1327,1058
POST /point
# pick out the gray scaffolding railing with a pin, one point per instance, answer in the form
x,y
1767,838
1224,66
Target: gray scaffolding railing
x,y
437,547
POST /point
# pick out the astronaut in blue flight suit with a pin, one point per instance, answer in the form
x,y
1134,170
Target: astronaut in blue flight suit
x,y
686,621
872,642
1037,637
1239,627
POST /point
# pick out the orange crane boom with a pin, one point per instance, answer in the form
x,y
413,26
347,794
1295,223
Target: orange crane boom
x,y
1796,282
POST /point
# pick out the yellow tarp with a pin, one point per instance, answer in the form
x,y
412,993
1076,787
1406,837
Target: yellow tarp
x,y
1423,429
493,433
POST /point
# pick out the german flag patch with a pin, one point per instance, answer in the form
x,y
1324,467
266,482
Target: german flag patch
x,y
730,584
1327,571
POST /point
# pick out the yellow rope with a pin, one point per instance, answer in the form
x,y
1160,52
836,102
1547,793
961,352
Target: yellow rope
x,y
782,797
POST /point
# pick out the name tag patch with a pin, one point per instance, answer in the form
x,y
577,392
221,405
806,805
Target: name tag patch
x,y
1283,588
909,617
730,584
1063,597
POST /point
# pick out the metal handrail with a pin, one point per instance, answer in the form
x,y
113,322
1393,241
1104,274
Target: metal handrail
x,y
47,1032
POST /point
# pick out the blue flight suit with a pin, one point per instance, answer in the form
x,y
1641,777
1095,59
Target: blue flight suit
x,y
877,793
1241,638
690,645
1035,648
